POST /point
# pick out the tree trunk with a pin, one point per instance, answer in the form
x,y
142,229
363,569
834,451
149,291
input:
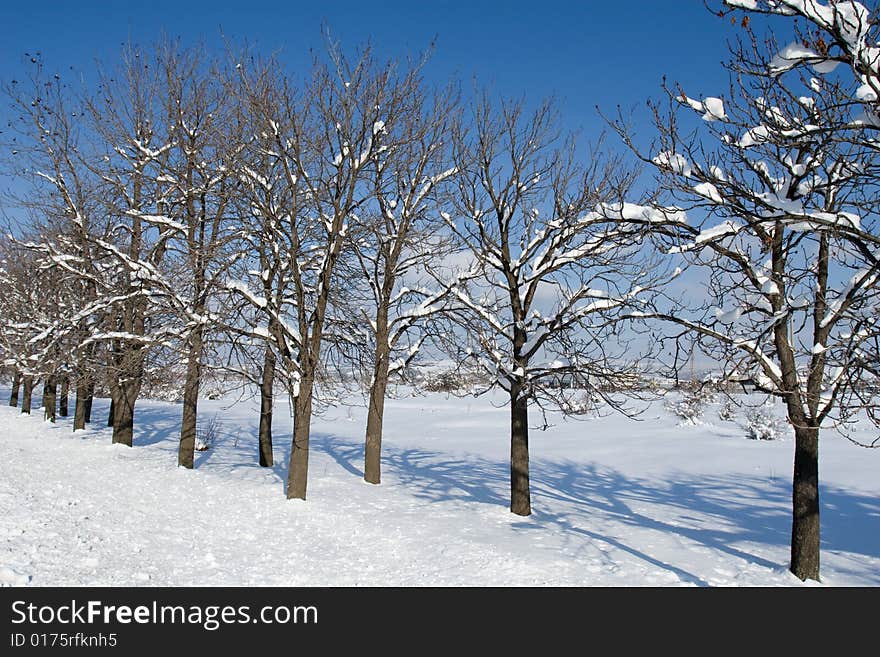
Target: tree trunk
x,y
805,504
90,397
111,415
520,496
50,398
65,394
375,415
123,411
186,450
298,471
79,410
266,399
27,394
16,384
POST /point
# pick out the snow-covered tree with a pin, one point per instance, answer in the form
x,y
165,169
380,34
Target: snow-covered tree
x,y
779,180
273,234
396,238
17,306
132,144
60,200
307,182
197,175
554,272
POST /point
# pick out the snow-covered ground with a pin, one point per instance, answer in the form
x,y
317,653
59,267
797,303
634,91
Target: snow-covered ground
x,y
616,503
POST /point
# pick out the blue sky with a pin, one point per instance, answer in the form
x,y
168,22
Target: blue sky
x,y
584,53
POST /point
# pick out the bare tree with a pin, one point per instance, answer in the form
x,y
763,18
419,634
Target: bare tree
x,y
197,174
16,386
554,273
135,135
61,201
783,177
273,233
307,181
396,237
17,305
35,326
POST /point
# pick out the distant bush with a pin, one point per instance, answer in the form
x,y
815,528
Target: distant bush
x,y
727,412
691,406
447,381
207,434
450,380
762,423
213,392
583,404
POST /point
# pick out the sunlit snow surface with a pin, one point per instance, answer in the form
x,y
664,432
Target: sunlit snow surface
x,y
616,503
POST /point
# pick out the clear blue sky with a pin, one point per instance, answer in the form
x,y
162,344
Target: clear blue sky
x,y
585,53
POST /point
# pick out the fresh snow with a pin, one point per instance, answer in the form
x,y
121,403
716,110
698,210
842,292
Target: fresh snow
x,y
714,109
616,503
709,190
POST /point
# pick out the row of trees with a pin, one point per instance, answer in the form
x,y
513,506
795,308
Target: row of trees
x,y
219,213
295,233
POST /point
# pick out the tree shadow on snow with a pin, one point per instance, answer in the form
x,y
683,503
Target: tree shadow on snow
x,y
723,512
719,512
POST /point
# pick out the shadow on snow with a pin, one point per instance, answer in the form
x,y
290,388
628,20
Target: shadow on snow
x,y
719,512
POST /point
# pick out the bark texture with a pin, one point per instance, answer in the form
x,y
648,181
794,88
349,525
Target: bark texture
x,y
266,399
375,416
27,391
123,411
63,397
186,449
520,495
297,477
79,409
805,533
50,398
16,385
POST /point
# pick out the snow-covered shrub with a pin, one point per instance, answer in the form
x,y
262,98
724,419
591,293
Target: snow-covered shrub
x,y
213,392
445,381
689,409
207,433
579,405
727,412
691,405
762,423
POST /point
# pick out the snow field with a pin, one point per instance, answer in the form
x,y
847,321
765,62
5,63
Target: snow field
x,y
616,503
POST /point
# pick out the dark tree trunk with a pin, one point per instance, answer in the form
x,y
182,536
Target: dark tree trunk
x,y
298,471
123,412
27,392
79,409
63,399
520,495
805,504
85,388
111,415
16,384
375,416
50,398
90,397
266,399
186,450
